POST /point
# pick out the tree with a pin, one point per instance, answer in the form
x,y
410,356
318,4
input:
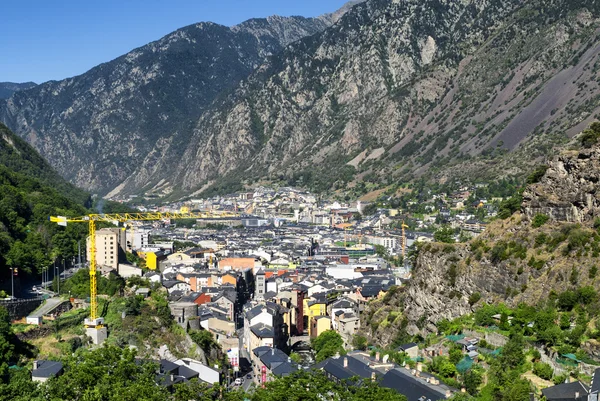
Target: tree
x,y
381,251
359,342
589,137
518,390
512,356
294,356
565,321
444,234
504,324
543,370
473,379
7,348
474,298
327,344
539,220
455,355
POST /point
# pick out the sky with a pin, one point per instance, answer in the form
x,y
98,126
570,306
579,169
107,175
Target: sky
x,y
42,40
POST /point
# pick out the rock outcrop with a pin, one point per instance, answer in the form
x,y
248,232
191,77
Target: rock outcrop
x,y
513,260
569,191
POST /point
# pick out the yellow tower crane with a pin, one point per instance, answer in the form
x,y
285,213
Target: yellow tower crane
x,y
403,240
94,321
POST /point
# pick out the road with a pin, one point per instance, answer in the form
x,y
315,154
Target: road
x,y
48,306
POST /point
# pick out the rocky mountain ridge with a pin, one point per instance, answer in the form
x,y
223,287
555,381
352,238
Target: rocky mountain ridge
x,y
96,128
395,90
391,91
8,88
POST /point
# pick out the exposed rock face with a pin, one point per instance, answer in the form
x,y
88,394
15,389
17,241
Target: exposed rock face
x,y
443,282
512,261
415,78
569,191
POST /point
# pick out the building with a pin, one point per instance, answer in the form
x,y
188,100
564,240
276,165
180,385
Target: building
x,y
575,391
109,241
137,239
271,363
411,349
268,314
339,307
43,370
260,286
318,325
185,369
238,264
389,243
153,259
348,325
183,312
413,383
126,270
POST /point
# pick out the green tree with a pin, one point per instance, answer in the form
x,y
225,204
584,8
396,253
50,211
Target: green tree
x,y
327,344
473,379
7,348
381,251
455,355
512,356
359,342
474,298
543,370
444,234
539,220
294,356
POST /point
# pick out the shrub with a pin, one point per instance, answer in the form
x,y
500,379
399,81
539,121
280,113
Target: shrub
x,y
589,137
543,370
474,297
537,174
539,220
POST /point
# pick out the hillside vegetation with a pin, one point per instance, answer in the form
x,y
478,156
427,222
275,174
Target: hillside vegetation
x,y
30,192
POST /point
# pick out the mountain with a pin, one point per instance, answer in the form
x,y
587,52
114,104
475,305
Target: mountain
x,y
548,246
392,91
97,128
8,88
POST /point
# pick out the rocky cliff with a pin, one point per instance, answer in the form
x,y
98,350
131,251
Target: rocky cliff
x,y
520,259
569,189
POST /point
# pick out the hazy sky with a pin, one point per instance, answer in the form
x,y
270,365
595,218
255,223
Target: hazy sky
x,y
42,40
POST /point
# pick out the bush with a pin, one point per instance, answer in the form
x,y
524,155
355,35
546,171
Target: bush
x,y
543,370
589,137
537,175
539,220
474,297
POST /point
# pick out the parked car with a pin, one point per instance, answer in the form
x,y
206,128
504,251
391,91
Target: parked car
x,y
249,376
238,381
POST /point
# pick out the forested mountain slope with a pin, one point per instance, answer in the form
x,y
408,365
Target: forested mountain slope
x,y
30,192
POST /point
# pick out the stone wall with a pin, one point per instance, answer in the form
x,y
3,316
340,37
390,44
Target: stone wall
x,y
495,339
19,308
